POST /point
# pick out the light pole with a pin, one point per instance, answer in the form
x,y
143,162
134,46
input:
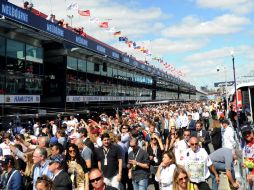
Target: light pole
x,y
236,100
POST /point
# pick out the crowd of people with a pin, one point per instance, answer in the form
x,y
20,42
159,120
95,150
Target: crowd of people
x,y
175,146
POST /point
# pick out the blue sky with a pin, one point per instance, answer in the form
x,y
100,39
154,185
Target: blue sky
x,y
195,36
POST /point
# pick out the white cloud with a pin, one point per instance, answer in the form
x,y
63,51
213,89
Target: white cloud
x,y
235,6
221,25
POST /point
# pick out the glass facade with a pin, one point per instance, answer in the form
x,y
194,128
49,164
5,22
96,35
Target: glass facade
x,y
21,67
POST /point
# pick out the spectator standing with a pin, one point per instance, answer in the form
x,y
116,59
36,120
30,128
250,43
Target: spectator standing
x,y
180,179
216,134
181,146
110,161
14,180
203,136
77,168
228,138
44,183
164,175
61,179
138,166
96,179
41,164
197,163
154,150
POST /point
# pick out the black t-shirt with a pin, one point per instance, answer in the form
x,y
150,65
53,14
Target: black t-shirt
x,y
112,155
140,156
156,154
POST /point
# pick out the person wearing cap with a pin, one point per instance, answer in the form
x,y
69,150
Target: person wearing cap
x,y
248,150
95,137
228,137
14,180
61,179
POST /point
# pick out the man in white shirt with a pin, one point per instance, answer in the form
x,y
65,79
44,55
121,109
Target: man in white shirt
x,y
228,140
5,145
181,146
197,163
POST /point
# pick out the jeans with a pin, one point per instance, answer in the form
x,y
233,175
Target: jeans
x,y
140,185
219,166
112,182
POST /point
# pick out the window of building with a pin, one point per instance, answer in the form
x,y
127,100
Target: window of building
x,y
15,49
90,67
82,65
72,63
34,54
2,53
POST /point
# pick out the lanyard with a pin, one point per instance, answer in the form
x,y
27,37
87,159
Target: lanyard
x,y
105,153
135,157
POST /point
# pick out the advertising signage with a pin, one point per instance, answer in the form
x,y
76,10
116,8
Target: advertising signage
x,y
25,17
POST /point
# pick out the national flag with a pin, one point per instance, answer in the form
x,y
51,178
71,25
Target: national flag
x,y
84,13
118,33
104,24
94,20
111,30
72,6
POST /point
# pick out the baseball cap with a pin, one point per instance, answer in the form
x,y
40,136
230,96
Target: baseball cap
x,y
225,121
56,159
246,129
95,131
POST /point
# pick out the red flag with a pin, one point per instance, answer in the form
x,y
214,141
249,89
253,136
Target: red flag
x,y
117,33
84,13
104,24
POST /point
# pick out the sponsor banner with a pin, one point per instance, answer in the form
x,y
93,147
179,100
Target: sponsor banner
x,y
222,84
1,99
21,99
104,98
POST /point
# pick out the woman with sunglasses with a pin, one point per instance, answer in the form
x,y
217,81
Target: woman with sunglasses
x,y
77,168
154,150
170,138
164,174
180,179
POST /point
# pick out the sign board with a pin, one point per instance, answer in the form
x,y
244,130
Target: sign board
x,y
104,98
21,99
222,84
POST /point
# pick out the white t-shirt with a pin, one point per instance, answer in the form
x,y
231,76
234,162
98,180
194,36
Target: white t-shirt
x,y
166,177
228,140
5,148
36,130
179,148
196,164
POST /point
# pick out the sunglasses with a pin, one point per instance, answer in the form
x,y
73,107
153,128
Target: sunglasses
x,y
133,146
72,151
183,178
153,138
95,179
193,144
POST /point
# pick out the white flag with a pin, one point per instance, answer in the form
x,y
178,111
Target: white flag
x,y
94,20
111,30
72,6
